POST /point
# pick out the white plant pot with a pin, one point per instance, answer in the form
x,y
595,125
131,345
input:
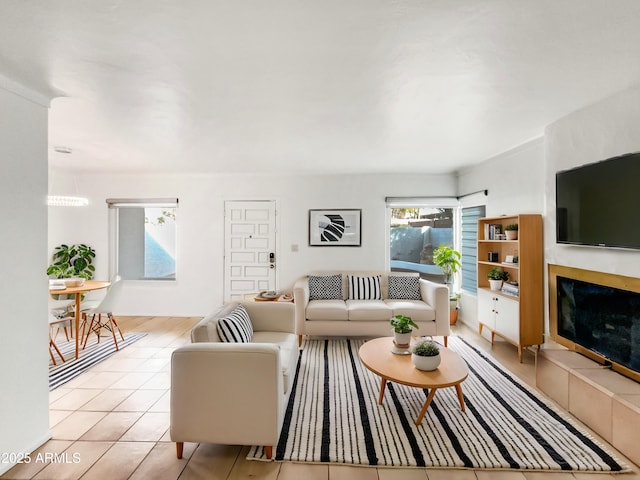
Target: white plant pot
x,y
495,284
425,363
402,338
511,234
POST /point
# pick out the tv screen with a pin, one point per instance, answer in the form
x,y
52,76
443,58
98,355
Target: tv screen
x,y
603,319
599,203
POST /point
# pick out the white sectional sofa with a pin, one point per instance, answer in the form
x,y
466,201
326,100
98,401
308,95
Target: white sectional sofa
x,y
326,305
234,392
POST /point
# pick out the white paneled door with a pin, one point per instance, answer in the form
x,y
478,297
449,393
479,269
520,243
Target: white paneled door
x,y
250,248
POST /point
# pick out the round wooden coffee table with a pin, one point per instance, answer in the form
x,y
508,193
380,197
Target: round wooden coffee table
x,y
377,356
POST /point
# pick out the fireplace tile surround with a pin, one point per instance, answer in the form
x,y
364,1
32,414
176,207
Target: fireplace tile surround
x,y
605,400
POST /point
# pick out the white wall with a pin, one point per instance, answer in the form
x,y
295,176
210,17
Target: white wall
x,y
24,401
199,287
515,181
603,130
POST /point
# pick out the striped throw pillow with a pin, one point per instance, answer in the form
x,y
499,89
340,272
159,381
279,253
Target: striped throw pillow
x,y
364,288
236,326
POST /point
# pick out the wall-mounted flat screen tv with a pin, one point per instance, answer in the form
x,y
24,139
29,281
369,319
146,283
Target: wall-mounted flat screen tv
x,y
599,203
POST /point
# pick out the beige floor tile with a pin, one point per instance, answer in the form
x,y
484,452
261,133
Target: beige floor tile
x,y
166,437
149,428
499,475
102,380
140,401
38,460
82,454
163,404
133,380
134,351
166,352
58,393
244,468
56,416
75,399
161,380
153,365
451,474
211,462
119,462
347,472
112,426
402,474
71,384
114,364
107,400
296,471
162,463
76,425
549,476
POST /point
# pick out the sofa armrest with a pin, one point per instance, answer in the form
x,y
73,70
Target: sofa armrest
x,y
437,296
230,393
301,300
271,316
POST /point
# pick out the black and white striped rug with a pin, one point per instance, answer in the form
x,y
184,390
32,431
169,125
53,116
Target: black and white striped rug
x,y
93,354
333,416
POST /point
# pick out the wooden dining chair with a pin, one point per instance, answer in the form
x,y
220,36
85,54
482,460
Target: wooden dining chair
x,y
56,322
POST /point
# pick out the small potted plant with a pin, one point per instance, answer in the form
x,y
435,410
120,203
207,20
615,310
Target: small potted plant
x,y
511,231
453,308
402,328
496,276
425,355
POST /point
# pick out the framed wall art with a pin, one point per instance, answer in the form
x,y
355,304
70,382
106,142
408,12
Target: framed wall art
x,y
335,228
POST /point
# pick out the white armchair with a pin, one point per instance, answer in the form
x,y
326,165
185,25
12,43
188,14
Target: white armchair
x,y
235,393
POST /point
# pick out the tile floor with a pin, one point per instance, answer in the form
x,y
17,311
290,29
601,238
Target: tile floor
x,y
112,422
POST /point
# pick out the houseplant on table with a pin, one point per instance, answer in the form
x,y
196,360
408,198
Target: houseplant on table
x,y
72,261
425,355
448,260
496,276
402,328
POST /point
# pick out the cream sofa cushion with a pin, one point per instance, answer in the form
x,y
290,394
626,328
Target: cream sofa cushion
x,y
287,343
368,310
327,310
416,309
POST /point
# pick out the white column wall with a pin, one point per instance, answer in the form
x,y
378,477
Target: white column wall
x,y
515,181
200,243
24,401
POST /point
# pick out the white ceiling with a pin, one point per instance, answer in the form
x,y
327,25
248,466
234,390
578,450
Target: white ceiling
x,y
332,86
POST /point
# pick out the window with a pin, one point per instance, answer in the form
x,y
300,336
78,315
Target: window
x,y
143,238
417,227
470,216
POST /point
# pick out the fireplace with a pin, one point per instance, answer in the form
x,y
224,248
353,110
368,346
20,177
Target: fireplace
x,y
597,314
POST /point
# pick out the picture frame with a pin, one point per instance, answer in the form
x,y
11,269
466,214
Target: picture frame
x,y
335,227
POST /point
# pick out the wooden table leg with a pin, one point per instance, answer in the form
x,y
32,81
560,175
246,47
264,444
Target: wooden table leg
x,y
383,384
427,402
77,327
460,397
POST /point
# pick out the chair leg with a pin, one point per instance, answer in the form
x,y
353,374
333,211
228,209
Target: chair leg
x,y
179,449
55,347
93,318
113,331
52,358
268,451
113,319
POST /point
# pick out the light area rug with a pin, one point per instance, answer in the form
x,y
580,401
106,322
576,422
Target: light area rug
x,y
333,416
94,353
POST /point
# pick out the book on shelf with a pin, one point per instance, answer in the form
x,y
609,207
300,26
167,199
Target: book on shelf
x,y
491,230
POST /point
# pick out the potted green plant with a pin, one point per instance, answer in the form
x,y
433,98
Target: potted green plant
x,y
448,260
402,328
72,261
453,308
425,355
496,276
511,231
